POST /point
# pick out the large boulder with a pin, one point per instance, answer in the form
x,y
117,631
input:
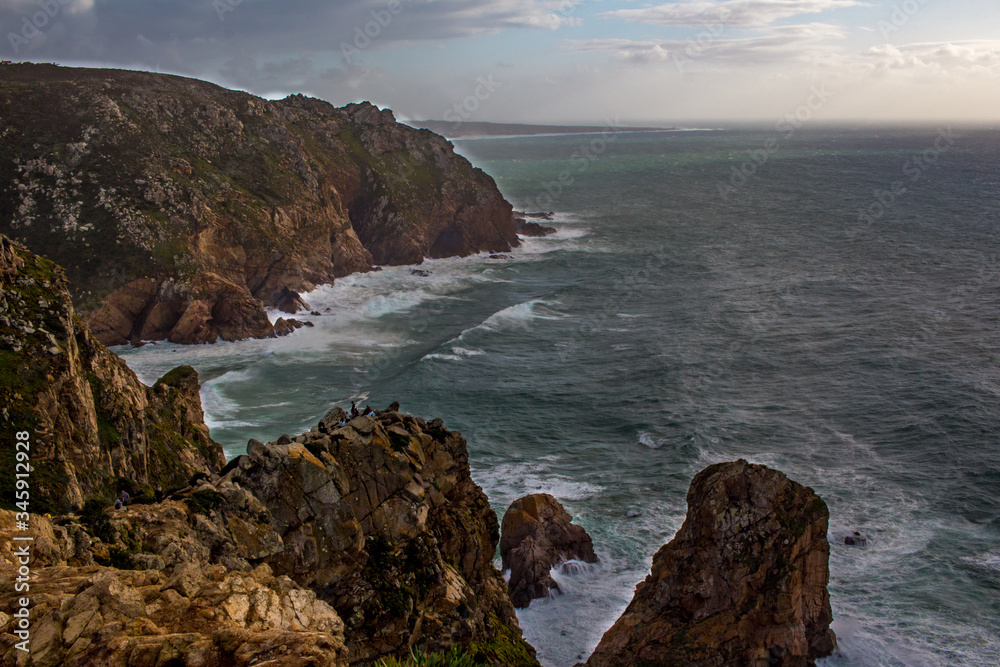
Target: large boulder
x,y
537,535
744,581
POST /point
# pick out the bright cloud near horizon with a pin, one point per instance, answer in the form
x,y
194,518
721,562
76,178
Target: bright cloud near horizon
x,y
551,61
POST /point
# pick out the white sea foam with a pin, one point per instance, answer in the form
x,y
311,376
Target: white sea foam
x,y
647,440
518,317
509,481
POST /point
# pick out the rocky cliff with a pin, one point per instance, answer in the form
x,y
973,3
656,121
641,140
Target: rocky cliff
x,y
341,546
360,539
95,603
181,209
742,583
381,517
90,420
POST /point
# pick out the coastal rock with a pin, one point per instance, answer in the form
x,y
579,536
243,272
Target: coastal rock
x,y
104,616
289,301
536,535
381,518
532,229
90,419
182,210
855,539
744,581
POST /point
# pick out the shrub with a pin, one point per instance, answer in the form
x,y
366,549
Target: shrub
x,y
453,658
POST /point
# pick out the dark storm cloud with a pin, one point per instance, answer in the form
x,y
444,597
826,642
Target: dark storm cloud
x,y
187,35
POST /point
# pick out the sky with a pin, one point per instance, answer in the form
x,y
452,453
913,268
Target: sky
x,y
553,61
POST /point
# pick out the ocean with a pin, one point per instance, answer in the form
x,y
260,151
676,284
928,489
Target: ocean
x,y
825,301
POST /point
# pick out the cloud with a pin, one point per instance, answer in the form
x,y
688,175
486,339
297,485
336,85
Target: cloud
x,y
185,34
953,59
775,44
727,12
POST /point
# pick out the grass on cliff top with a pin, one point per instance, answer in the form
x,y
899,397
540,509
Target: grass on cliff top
x,y
453,658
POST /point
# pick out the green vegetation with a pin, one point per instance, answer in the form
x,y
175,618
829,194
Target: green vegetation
x,y
453,658
178,376
94,517
506,648
117,557
203,502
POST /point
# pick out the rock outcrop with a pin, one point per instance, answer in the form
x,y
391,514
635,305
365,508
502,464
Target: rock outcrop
x,y
537,535
525,228
192,612
354,543
90,420
181,210
744,581
381,517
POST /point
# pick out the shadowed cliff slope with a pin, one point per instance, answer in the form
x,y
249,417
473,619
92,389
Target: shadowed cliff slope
x,y
178,208
90,419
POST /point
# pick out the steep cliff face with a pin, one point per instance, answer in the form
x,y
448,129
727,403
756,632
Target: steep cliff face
x,y
178,208
381,517
742,583
90,419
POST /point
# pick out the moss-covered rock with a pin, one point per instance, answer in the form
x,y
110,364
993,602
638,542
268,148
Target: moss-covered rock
x,y
90,420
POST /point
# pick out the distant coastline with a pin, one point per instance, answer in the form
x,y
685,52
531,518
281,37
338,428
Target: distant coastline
x,y
469,130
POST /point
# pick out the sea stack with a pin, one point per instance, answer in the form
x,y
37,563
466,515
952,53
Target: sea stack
x,y
744,581
536,535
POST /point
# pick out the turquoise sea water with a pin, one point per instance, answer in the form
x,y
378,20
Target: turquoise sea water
x,y
686,313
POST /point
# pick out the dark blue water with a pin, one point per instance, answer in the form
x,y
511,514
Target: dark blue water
x,y
830,308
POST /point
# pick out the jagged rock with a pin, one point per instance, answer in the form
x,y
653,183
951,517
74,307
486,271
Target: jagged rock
x,y
181,210
383,520
536,535
91,420
525,228
102,616
742,583
289,301
855,539
283,327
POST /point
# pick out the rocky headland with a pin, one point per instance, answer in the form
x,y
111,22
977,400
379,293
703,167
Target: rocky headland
x,y
180,210
358,540
91,420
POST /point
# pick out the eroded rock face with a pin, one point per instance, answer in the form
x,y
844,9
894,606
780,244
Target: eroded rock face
x,y
535,536
91,421
744,581
181,209
382,518
97,615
